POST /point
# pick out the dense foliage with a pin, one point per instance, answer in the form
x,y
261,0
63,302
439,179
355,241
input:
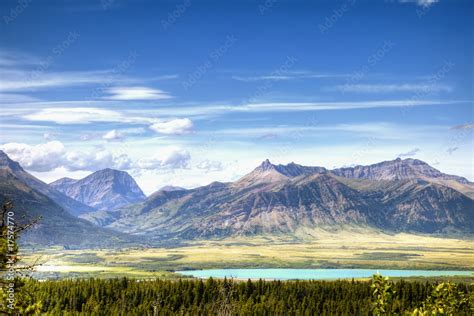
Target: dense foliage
x,y
210,297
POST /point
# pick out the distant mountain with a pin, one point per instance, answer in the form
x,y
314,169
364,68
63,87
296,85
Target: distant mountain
x,y
283,198
56,226
397,169
170,188
72,206
103,190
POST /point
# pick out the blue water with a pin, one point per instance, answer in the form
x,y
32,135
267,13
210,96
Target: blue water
x,y
314,274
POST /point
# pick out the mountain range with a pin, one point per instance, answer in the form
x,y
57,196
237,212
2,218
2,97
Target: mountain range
x,y
398,195
108,207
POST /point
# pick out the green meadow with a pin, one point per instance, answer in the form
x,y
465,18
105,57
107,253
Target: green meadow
x,y
319,249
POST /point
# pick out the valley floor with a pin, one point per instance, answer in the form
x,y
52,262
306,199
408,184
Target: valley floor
x,y
309,249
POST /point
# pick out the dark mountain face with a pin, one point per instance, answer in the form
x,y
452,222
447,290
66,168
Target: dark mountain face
x,y
427,207
72,206
103,190
56,226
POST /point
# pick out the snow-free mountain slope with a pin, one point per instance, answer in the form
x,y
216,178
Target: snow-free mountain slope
x,y
105,189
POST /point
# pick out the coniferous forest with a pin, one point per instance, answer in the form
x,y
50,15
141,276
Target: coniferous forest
x,y
227,297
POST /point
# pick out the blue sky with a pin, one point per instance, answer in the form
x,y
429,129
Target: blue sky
x,y
187,92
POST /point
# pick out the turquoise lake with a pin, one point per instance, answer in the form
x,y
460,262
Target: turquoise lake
x,y
315,274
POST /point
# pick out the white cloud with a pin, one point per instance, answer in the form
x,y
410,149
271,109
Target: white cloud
x,y
88,137
166,158
122,133
210,165
42,157
391,88
83,115
96,160
49,136
135,93
53,154
176,127
112,135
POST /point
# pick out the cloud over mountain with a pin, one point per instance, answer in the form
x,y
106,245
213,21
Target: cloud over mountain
x,y
53,154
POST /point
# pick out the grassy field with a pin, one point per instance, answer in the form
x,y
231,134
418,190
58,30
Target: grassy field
x,y
309,249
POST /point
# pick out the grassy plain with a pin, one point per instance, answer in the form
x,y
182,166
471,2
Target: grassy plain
x,y
307,249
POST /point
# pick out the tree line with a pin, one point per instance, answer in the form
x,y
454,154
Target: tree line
x,y
227,297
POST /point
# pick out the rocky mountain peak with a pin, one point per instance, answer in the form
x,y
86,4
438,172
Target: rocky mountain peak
x,y
6,162
266,165
104,189
108,172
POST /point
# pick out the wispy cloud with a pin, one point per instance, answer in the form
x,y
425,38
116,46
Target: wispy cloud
x,y
85,115
464,126
286,76
175,127
25,72
210,165
423,3
76,116
12,58
383,130
29,80
322,106
135,93
391,88
410,153
118,135
171,157
77,112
